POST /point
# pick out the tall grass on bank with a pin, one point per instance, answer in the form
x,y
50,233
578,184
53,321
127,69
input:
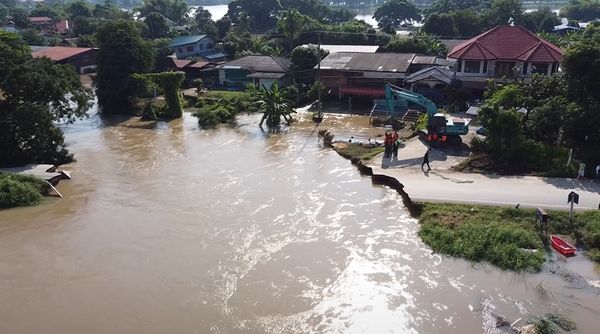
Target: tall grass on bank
x,y
20,190
358,150
504,237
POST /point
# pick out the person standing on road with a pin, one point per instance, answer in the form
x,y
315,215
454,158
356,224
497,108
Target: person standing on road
x,y
388,145
395,142
426,160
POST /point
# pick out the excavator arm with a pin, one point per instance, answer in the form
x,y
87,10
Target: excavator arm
x,y
391,91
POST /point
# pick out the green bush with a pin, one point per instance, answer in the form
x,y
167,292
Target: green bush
x,y
207,118
20,190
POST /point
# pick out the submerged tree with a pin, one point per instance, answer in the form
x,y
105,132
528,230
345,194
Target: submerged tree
x,y
122,52
274,106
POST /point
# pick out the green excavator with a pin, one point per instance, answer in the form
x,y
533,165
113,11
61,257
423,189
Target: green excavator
x,y
440,127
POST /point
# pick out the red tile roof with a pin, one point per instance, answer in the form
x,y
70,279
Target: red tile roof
x,y
57,53
507,43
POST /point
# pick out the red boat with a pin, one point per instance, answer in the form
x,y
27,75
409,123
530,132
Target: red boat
x,y
562,246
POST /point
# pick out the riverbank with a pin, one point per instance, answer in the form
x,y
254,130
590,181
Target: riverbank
x,y
507,237
21,190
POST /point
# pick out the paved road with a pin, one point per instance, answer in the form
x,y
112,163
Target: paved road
x,y
528,191
445,185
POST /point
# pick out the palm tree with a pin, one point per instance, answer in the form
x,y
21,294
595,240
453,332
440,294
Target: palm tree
x,y
274,106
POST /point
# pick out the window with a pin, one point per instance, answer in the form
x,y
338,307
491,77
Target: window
x,y
179,50
209,46
472,66
459,66
190,49
554,67
541,68
485,63
525,68
200,46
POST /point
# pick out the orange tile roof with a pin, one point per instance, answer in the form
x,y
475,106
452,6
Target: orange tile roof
x,y
57,53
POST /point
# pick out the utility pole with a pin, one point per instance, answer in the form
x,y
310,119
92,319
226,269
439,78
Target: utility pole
x,y
319,112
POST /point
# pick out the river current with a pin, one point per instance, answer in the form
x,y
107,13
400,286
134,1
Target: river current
x,y
167,228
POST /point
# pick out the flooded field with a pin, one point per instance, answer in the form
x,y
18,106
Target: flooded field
x,y
166,228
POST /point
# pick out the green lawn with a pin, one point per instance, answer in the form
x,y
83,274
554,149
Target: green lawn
x,y
501,235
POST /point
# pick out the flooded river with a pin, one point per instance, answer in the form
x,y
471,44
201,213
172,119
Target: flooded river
x,y
166,228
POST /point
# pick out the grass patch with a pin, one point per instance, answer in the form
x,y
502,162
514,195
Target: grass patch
x,y
21,190
357,150
499,235
223,94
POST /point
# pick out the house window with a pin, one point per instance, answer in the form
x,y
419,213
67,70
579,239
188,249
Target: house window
x,y
554,67
209,46
179,50
541,68
459,66
485,64
200,46
472,66
190,49
525,65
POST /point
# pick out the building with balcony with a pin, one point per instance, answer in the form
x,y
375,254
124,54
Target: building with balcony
x,y
504,52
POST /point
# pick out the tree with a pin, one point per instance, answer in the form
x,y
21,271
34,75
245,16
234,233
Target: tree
x,y
582,71
503,12
170,83
223,26
53,12
585,10
174,10
157,25
440,25
261,12
394,12
338,15
274,106
36,92
447,6
304,59
290,25
78,9
122,52
467,22
204,23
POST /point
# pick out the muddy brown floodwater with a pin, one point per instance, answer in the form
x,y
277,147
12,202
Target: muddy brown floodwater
x,y
166,228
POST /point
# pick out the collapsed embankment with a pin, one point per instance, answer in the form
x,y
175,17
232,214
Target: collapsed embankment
x,y
378,179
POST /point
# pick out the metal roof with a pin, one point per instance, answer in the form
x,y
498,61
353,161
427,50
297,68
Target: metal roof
x,y
347,48
183,40
436,73
376,62
58,53
259,64
424,60
266,75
